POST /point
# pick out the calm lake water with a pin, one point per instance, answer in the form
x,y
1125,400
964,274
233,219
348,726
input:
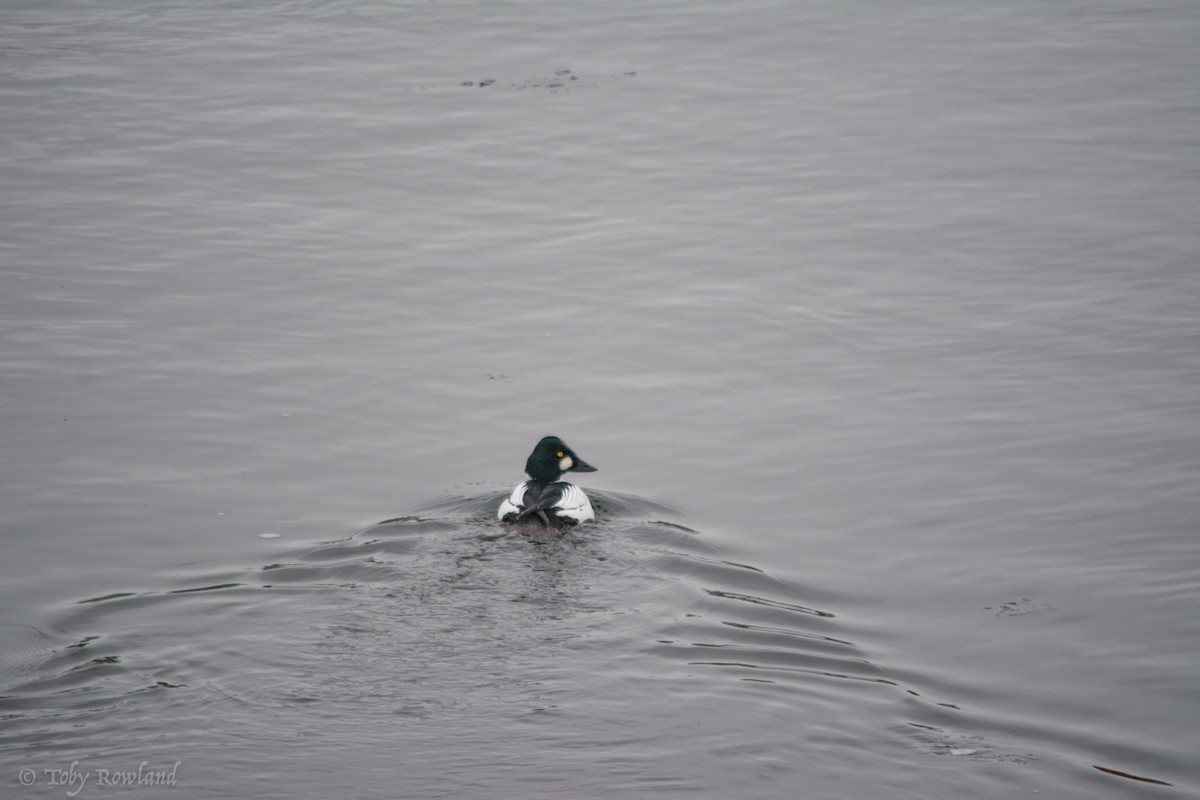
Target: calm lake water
x,y
879,321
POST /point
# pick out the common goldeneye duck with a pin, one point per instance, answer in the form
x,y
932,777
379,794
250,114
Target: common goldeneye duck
x,y
543,499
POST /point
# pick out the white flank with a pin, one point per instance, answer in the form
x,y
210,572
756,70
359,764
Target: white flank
x,y
575,504
512,504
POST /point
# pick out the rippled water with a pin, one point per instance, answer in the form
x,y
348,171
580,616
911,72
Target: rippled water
x,y
879,323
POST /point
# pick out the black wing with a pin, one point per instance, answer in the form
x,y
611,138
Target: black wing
x,y
540,498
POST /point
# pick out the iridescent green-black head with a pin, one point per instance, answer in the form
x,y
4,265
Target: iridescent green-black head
x,y
551,458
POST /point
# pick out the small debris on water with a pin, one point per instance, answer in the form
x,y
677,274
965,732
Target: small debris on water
x,y
1014,608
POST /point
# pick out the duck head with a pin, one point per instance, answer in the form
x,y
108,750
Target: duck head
x,y
551,458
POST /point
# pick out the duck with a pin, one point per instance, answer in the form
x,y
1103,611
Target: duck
x,y
544,500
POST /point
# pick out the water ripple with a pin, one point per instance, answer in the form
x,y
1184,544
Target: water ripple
x,y
443,620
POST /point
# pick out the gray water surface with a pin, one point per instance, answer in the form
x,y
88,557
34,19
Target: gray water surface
x,y
879,321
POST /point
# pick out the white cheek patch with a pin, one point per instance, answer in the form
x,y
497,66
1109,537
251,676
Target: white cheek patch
x,y
565,463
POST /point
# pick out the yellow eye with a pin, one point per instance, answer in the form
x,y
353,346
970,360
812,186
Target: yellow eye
x,y
560,453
